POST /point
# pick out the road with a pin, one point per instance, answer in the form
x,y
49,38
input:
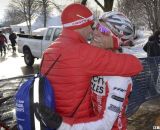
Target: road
x,y
12,65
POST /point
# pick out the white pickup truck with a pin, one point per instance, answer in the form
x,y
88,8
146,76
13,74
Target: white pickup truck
x,y
33,46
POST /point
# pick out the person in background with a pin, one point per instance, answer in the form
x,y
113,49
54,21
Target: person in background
x,y
152,47
20,30
12,38
109,94
3,40
79,62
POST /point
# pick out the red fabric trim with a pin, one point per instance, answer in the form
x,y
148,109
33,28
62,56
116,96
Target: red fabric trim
x,y
115,42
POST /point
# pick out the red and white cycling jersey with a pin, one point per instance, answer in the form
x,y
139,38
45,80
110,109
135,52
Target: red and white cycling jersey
x,y
109,99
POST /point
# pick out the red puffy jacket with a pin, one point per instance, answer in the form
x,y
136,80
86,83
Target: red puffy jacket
x,y
78,63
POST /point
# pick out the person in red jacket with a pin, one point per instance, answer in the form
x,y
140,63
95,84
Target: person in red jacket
x,y
109,93
3,40
79,62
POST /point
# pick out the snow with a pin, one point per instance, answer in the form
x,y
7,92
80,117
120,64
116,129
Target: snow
x,y
39,31
37,23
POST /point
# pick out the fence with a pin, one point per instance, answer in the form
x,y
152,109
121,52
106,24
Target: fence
x,y
146,85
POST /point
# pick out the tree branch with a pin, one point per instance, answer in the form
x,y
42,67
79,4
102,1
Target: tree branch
x,y
84,2
98,3
59,9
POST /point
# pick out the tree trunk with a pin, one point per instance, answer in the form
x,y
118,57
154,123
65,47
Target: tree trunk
x,y
45,13
108,5
84,2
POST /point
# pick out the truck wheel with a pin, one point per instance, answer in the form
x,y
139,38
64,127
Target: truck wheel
x,y
28,58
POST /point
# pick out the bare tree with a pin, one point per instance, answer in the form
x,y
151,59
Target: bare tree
x,y
142,12
28,8
13,16
44,4
84,2
31,8
108,4
58,7
133,11
152,8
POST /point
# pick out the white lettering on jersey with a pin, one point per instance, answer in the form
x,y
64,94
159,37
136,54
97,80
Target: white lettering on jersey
x,y
98,85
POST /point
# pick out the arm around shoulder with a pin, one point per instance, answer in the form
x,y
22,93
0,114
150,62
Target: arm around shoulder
x,y
98,61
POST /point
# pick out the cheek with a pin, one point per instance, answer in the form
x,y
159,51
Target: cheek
x,y
97,33
104,38
88,31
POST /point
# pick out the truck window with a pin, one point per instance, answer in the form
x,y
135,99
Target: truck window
x,y
49,33
56,33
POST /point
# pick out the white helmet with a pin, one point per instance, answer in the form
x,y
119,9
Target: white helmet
x,y
119,24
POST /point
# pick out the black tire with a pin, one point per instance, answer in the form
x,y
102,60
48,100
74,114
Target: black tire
x,y
28,58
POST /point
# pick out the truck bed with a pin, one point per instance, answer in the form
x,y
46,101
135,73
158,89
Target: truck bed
x,y
30,36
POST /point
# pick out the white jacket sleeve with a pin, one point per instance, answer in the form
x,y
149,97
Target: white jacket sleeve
x,y
117,87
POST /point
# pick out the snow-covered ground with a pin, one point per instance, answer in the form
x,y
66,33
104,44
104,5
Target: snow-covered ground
x,y
137,49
